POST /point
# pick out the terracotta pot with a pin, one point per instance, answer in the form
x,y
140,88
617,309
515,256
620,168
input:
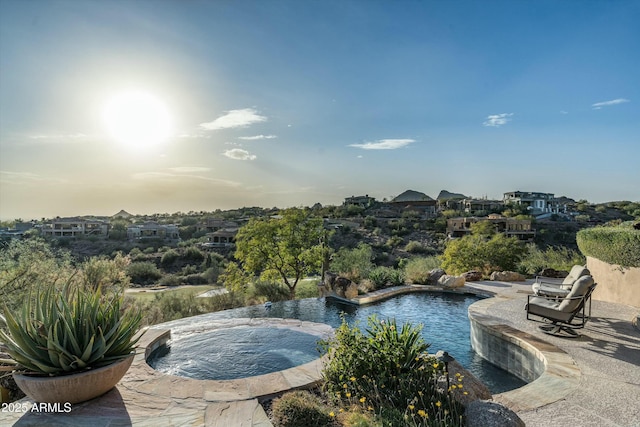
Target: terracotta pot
x,y
73,388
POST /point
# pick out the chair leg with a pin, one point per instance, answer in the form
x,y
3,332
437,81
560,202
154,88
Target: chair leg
x,y
556,329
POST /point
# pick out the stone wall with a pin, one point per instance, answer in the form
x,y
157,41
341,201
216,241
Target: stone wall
x,y
615,283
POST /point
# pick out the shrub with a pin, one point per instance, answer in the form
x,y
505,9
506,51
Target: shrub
x,y
192,253
561,258
614,245
379,276
354,264
143,272
414,247
169,280
476,252
417,269
269,290
169,257
387,367
300,409
396,277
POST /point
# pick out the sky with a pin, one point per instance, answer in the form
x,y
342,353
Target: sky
x,y
165,106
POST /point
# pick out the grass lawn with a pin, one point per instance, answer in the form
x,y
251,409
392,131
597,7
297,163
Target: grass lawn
x,y
182,290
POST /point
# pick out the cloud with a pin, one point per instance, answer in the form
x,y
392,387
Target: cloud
x,y
239,154
189,169
27,177
599,105
384,144
497,120
160,177
256,137
58,138
235,119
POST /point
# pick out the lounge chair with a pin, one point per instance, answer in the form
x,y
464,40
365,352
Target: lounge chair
x,y
565,314
540,287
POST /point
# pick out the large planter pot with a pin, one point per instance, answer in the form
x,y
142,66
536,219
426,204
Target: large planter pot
x,y
73,388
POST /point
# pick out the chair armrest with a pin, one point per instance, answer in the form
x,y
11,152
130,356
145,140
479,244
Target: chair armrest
x,y
544,282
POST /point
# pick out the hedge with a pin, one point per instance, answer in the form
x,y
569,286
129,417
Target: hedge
x,y
614,245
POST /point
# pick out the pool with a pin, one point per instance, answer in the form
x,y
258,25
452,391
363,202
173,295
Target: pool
x,y
262,350
443,316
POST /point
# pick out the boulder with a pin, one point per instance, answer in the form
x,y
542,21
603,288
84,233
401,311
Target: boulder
x,y
507,276
552,272
451,282
485,413
472,276
434,276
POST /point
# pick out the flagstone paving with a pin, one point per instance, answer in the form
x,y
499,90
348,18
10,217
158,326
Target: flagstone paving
x,y
593,380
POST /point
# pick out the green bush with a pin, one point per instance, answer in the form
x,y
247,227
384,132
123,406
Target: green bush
x,y
379,276
300,409
268,291
169,257
396,277
414,247
614,245
143,273
386,367
192,253
476,252
355,264
561,258
417,269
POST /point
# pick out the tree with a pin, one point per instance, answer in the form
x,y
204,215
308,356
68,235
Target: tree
x,y
288,247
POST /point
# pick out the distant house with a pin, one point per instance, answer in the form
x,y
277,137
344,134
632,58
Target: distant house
x,y
75,227
153,230
222,238
481,205
122,215
510,227
412,200
17,231
536,203
361,201
215,224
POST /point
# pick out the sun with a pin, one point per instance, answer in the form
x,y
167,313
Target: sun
x,y
137,119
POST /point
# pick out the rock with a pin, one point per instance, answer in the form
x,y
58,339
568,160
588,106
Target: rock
x,y
551,272
458,375
484,413
472,276
434,276
351,291
451,282
507,276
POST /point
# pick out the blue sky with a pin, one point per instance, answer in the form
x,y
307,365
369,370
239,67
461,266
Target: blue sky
x,y
288,103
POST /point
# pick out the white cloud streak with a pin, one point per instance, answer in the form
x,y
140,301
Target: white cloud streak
x,y
256,137
235,119
239,154
599,105
169,177
384,144
497,120
189,169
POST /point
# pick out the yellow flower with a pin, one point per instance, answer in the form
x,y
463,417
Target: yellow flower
x,y
438,404
332,414
348,394
411,407
465,393
459,385
338,395
417,358
352,379
344,385
435,365
422,413
420,392
458,374
341,410
370,408
362,399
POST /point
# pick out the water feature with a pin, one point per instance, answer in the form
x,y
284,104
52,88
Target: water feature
x,y
443,317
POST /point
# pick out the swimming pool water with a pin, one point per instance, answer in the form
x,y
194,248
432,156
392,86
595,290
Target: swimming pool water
x,y
443,316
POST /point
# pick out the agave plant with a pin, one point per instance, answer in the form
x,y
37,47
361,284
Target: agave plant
x,y
64,331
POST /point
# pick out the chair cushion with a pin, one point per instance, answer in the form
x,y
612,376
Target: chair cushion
x,y
577,271
579,289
